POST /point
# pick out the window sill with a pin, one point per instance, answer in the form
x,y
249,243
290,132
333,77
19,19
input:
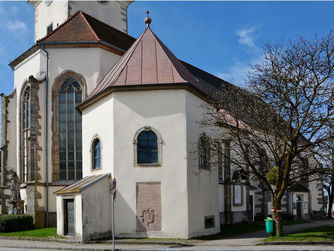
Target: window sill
x,y
63,182
205,168
96,169
148,165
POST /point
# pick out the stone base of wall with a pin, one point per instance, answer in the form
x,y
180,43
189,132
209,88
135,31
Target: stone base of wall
x,y
52,218
97,236
39,219
318,215
237,218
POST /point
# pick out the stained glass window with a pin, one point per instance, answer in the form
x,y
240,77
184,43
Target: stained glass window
x,y
70,147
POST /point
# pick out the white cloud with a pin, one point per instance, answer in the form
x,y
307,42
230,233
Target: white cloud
x,y
246,36
237,74
17,26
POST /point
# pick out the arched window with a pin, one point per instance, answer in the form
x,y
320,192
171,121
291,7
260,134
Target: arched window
x,y
26,98
147,147
236,175
70,139
203,152
96,154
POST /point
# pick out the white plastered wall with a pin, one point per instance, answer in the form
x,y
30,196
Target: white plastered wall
x,y
96,211
202,184
113,13
56,13
116,119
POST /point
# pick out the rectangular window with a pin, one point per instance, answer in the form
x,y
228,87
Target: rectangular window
x,y
49,29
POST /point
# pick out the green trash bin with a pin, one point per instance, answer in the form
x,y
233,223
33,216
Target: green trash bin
x,y
269,225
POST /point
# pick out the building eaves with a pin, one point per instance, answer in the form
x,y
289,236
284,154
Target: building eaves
x,y
82,184
81,30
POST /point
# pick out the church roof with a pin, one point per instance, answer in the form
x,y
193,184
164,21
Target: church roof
x,y
83,27
85,31
148,63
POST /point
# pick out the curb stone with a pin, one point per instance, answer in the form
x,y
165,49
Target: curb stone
x,y
268,243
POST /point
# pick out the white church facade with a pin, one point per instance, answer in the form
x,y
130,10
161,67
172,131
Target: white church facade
x,y
91,104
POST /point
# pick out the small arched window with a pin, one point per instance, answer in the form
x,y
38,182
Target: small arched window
x,y
147,148
96,154
203,152
236,175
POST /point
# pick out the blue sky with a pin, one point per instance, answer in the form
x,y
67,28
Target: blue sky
x,y
223,38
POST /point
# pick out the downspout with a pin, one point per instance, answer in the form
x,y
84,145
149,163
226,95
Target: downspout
x,y
46,137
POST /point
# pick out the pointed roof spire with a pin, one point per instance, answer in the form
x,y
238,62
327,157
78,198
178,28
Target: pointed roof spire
x,y
148,62
148,20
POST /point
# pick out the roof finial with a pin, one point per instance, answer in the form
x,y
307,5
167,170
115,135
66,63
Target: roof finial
x,y
148,20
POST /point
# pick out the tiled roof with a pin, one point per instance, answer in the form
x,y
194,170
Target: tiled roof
x,y
82,184
82,27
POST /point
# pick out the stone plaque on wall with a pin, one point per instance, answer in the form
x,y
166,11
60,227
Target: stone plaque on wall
x,y
148,206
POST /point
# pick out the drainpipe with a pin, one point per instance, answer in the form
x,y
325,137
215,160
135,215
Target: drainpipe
x,y
46,137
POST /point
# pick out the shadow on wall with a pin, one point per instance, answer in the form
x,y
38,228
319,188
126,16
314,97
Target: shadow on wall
x,y
126,220
152,104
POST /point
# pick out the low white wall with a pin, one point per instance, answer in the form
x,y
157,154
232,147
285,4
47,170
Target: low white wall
x,y
96,211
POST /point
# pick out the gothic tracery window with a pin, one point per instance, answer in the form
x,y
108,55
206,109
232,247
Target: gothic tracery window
x,y
70,139
25,134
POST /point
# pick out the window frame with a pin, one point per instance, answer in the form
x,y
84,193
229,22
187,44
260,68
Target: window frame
x,y
92,150
55,158
25,137
70,88
159,146
203,141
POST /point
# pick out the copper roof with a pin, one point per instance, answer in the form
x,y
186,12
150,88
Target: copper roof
x,y
148,62
83,27
82,184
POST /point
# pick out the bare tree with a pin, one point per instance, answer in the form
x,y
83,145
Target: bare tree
x,y
278,125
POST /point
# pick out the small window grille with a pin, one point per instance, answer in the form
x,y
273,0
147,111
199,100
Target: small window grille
x,y
209,221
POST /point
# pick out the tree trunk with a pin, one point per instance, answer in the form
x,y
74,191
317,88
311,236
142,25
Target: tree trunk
x,y
277,216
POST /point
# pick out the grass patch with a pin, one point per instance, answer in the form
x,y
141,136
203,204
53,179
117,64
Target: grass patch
x,y
36,233
325,233
228,231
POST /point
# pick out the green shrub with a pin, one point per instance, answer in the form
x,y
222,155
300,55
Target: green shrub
x,y
15,222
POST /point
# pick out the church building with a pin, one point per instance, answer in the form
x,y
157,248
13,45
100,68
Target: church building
x,y
92,104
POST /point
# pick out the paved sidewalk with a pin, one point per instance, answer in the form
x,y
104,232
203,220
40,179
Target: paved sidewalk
x,y
253,238
241,242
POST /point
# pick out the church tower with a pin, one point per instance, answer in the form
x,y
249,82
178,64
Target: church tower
x,y
76,42
49,14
